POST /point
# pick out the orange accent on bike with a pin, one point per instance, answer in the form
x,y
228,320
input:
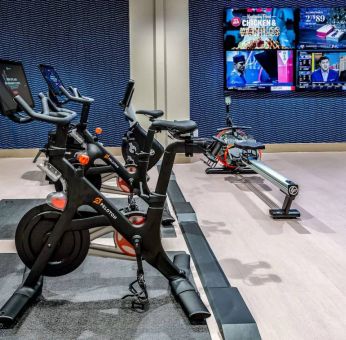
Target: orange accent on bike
x,y
83,159
98,200
125,246
123,185
58,202
98,130
137,220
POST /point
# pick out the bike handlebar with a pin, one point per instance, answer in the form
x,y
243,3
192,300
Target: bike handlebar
x,y
50,113
76,95
20,118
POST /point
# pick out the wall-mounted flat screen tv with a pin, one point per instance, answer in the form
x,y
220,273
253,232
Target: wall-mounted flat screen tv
x,y
260,69
321,70
259,28
322,28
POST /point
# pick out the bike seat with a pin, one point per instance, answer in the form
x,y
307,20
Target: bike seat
x,y
150,113
249,145
179,126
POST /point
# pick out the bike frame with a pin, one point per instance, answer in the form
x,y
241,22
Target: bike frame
x,y
137,181
82,192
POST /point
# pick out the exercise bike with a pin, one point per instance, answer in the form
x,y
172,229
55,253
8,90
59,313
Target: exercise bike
x,y
81,140
53,239
135,136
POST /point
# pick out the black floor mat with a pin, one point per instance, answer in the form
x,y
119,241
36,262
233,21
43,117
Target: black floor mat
x,y
11,211
86,304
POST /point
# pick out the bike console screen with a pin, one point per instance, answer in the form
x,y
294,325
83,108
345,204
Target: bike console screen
x,y
128,94
13,82
52,78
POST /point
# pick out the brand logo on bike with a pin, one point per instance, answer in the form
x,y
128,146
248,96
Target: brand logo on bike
x,y
110,160
98,200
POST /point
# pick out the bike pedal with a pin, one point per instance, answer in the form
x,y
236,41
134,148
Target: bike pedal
x,y
140,306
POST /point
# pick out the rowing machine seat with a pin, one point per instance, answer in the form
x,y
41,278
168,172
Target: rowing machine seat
x,y
249,145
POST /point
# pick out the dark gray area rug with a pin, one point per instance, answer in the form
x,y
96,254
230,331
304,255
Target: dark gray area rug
x,y
12,210
87,304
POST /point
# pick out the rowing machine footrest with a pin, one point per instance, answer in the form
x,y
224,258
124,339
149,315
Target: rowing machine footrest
x,y
282,214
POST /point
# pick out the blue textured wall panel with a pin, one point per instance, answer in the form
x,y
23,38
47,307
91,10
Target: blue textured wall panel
x,y
275,117
88,43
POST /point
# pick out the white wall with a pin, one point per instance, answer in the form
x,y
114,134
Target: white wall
x,y
159,56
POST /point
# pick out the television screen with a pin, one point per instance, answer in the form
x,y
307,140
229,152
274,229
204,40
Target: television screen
x,y
321,70
322,28
52,78
259,28
260,69
13,82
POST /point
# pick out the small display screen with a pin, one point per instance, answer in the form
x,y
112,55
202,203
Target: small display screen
x,y
128,94
321,70
52,78
322,28
260,69
13,82
259,28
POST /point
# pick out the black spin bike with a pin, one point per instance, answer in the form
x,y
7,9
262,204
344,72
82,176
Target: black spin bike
x,y
102,166
53,239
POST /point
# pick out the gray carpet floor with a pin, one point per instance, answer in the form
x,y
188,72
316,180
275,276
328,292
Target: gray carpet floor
x,y
87,304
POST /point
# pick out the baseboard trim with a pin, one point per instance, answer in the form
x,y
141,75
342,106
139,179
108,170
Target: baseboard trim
x,y
270,148
31,153
306,147
28,153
